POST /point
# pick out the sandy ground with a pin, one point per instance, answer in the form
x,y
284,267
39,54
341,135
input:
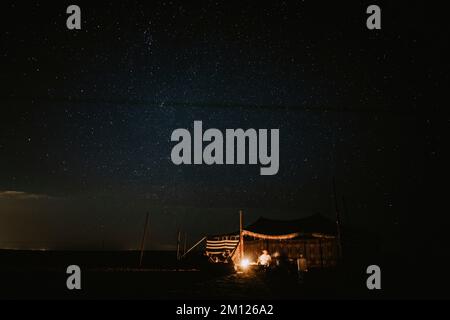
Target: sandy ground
x,y
25,275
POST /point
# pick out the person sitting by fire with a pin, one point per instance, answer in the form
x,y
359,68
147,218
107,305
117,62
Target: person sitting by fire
x,y
265,259
226,255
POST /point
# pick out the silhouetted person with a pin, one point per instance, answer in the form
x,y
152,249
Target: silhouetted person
x,y
302,267
302,264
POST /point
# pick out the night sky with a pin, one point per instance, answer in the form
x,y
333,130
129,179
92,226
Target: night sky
x,y
86,118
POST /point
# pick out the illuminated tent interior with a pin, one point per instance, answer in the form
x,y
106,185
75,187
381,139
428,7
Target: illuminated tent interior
x,y
313,237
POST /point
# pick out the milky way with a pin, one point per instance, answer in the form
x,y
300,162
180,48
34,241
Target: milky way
x,y
87,117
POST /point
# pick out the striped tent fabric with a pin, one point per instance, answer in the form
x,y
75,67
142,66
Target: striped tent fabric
x,y
214,247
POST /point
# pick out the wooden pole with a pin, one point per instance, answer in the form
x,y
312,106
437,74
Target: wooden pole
x,y
338,222
195,245
321,253
344,209
102,227
241,235
143,239
178,244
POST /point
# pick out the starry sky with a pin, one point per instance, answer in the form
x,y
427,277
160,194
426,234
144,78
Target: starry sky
x,y
87,117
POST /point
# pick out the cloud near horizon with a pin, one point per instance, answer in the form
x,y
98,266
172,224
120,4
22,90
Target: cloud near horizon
x,y
20,195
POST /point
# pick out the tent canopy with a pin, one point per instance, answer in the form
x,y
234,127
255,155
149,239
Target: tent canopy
x,y
315,224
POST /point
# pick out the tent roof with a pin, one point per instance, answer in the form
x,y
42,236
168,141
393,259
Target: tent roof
x,y
316,223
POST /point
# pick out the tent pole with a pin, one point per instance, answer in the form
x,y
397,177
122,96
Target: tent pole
x,y
143,240
178,244
338,221
241,235
195,245
321,253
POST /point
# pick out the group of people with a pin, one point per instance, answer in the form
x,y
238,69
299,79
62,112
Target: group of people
x,y
265,260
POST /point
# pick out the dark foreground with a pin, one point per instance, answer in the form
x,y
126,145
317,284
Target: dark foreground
x,y
42,275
